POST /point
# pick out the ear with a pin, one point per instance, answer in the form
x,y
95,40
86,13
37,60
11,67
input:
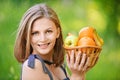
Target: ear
x,y
58,32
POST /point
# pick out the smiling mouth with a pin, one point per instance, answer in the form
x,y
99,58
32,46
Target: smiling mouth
x,y
43,46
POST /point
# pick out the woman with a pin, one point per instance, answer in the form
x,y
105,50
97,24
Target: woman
x,y
39,47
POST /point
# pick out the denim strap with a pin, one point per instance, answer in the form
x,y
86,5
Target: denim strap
x,y
31,64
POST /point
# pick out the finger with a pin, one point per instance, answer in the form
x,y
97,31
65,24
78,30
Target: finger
x,y
87,63
68,52
83,60
67,59
72,58
77,61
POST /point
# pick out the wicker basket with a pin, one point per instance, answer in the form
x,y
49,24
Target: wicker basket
x,y
91,51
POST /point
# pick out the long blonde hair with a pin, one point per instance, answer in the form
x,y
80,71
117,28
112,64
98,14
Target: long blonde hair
x,y
22,47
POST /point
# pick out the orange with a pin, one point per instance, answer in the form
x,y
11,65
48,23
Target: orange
x,y
85,41
86,32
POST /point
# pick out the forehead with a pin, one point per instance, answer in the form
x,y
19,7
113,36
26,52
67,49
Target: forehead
x,y
43,23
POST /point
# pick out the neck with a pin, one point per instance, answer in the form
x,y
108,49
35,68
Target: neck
x,y
48,62
46,57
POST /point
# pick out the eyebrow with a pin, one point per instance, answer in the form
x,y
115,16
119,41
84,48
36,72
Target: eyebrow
x,y
50,27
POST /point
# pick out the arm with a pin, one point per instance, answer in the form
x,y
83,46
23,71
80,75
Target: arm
x,y
33,74
79,65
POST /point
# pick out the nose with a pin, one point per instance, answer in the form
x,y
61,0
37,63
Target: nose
x,y
42,37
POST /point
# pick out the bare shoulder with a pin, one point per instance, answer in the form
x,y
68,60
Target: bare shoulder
x,y
33,74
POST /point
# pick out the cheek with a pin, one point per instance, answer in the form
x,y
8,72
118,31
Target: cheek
x,y
53,37
33,40
53,40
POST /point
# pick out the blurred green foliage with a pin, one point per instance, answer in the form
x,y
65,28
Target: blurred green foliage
x,y
74,14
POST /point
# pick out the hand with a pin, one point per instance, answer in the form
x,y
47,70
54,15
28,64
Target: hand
x,y
79,63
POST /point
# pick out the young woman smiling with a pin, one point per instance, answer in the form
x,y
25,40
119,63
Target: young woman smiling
x,y
39,47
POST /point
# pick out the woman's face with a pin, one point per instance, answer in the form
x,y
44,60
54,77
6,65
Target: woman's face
x,y
43,36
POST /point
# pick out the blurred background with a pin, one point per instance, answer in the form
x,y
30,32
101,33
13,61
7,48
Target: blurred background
x,y
103,15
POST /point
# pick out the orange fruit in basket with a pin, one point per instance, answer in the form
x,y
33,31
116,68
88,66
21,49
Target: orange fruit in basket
x,y
86,32
91,33
85,41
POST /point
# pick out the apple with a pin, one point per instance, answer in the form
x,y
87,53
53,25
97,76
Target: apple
x,y
71,40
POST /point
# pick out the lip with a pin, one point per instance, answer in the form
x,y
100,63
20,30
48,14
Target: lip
x,y
44,46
